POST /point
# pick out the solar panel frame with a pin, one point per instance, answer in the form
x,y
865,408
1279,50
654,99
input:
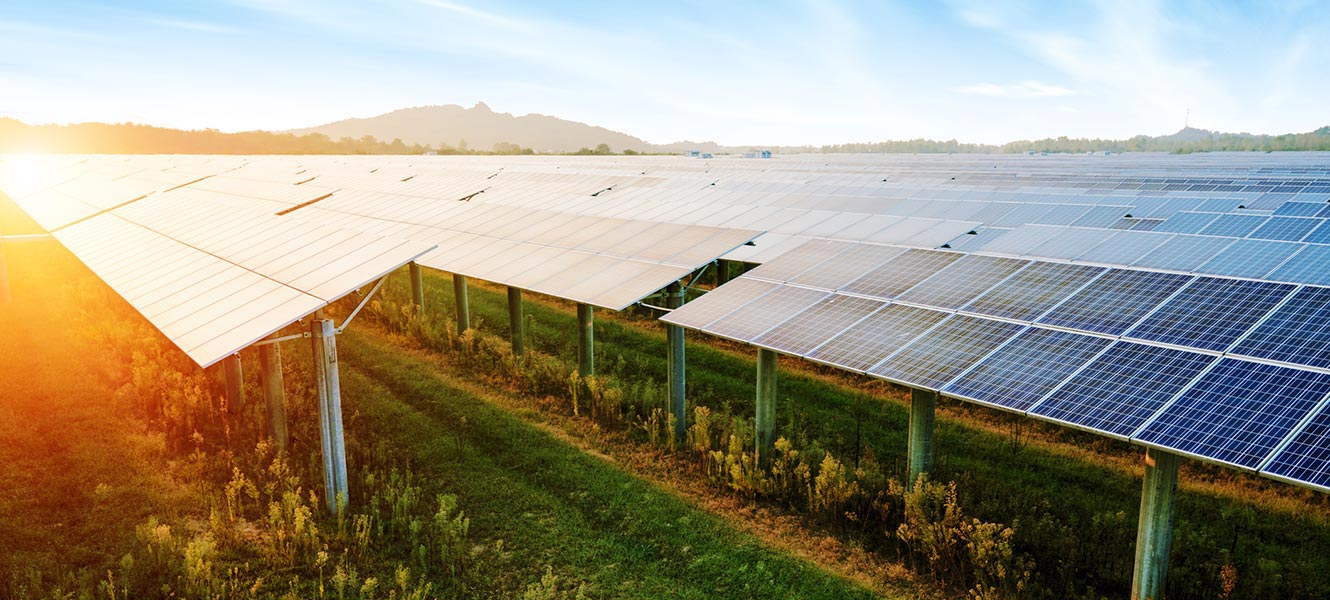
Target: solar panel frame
x,y
819,323
901,273
939,355
1211,313
1115,301
875,337
1024,370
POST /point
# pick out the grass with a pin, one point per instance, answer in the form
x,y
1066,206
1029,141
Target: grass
x,y
96,501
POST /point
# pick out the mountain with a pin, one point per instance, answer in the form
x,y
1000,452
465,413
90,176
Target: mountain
x,y
480,128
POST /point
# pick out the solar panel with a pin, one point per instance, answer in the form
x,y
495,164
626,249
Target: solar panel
x,y
1306,458
1232,225
718,302
1237,412
1186,222
1124,248
1310,265
938,356
1250,258
807,330
901,273
1297,332
1184,253
852,264
958,283
1122,387
1115,301
1211,313
1033,291
1020,373
1320,235
1299,209
790,264
766,312
1289,229
877,336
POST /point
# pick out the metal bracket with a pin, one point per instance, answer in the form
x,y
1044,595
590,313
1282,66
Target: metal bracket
x,y
363,302
285,338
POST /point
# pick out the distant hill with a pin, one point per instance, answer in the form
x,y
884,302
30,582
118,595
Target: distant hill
x,y
1184,141
479,128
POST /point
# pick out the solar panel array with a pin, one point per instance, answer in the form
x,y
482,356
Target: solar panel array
x,y
1221,369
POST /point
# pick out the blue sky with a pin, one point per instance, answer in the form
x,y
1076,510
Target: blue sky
x,y
812,72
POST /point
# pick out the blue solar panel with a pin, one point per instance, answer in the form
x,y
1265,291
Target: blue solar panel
x,y
1250,258
901,273
1116,301
1234,225
1320,235
1298,332
937,357
1299,209
1311,265
1032,291
1023,371
1307,456
1211,313
1238,412
1184,252
1121,388
961,281
1325,211
1289,229
1186,222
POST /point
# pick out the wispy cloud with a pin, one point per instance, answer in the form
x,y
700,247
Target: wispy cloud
x,y
1024,89
190,25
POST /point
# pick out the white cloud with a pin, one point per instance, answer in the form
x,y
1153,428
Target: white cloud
x,y
1024,89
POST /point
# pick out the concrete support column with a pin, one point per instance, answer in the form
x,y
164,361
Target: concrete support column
x,y
586,342
463,307
417,288
328,387
1154,533
923,404
270,363
766,405
722,272
515,320
674,340
235,384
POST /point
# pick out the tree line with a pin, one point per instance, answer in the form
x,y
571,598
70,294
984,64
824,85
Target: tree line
x,y
1210,142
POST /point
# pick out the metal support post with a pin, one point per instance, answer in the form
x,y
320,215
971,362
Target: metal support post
x,y
270,362
515,320
674,339
417,288
463,308
923,404
1154,532
326,383
235,384
722,272
766,405
586,346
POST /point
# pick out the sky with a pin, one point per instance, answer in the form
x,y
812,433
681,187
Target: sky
x,y
768,72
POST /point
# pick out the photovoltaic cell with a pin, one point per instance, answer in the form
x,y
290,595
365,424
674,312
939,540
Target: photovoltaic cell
x,y
1297,332
1123,387
901,273
1184,252
1231,225
1211,313
1116,301
1250,258
1237,412
808,255
1125,248
1027,368
961,281
767,311
1289,229
1299,209
1311,265
1186,222
882,333
807,330
1320,235
846,267
1032,291
1307,456
718,302
938,356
